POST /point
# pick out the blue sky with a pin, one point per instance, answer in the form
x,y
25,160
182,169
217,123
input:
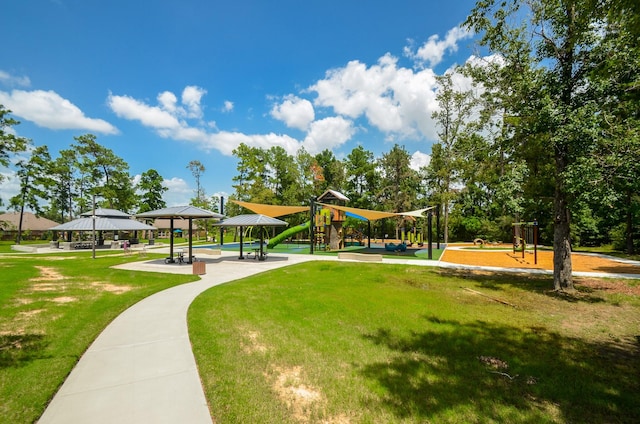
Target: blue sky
x,y
162,83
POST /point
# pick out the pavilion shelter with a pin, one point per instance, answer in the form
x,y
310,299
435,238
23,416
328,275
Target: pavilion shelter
x,y
103,220
181,212
252,220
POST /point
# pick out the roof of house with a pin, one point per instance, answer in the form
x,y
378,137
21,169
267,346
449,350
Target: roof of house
x,y
10,221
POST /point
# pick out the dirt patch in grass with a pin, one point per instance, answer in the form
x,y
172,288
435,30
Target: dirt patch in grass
x,y
609,286
64,299
299,397
112,288
253,343
508,259
47,274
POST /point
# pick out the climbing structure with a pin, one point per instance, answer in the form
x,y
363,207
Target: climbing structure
x,y
328,221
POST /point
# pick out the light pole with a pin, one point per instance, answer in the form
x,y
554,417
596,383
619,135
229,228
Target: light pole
x,y
93,222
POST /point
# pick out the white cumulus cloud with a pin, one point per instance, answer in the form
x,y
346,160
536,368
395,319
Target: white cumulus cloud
x,y
12,80
294,112
49,110
191,97
419,160
150,116
328,133
393,99
167,120
433,50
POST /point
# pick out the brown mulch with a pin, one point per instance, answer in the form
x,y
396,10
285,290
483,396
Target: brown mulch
x,y
508,259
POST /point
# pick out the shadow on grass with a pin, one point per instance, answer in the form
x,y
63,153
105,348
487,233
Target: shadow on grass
x,y
534,283
548,378
19,349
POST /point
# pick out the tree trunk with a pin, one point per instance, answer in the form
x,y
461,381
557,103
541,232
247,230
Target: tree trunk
x,y
446,223
19,239
629,231
562,268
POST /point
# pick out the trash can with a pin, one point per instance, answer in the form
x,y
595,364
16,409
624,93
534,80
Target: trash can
x,y
152,242
199,268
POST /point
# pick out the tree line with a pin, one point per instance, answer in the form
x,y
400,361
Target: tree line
x,y
61,187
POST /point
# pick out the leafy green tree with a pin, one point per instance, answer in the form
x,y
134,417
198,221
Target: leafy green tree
x,y
62,192
9,142
307,185
151,187
557,38
34,180
105,174
332,171
455,110
283,176
362,178
399,183
252,181
197,169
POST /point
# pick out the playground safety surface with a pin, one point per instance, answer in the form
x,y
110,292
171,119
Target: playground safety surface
x,y
469,255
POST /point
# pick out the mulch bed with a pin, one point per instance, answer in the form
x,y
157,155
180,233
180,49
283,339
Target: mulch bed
x,y
508,259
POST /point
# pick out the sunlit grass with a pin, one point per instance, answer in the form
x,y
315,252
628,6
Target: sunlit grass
x,y
341,342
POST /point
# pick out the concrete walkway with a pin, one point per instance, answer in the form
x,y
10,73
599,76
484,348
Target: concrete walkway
x,y
141,368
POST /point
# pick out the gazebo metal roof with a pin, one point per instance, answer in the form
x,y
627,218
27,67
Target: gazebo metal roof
x,y
110,213
251,220
180,212
103,224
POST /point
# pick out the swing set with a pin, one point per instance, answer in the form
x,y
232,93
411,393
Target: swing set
x,y
526,233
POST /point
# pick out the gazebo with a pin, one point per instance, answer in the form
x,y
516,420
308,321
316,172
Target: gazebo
x,y
105,220
252,220
181,212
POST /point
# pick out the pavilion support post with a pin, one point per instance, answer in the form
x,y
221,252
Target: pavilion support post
x,y
312,227
171,241
221,228
438,226
430,235
241,242
369,234
190,240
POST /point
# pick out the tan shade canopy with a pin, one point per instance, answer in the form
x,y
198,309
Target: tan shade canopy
x,y
365,213
374,215
273,211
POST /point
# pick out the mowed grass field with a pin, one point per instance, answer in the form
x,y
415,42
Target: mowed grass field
x,y
51,308
328,342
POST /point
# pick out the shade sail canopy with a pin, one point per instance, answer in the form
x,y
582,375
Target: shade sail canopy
x,y
180,212
370,215
251,220
418,213
103,224
374,215
273,211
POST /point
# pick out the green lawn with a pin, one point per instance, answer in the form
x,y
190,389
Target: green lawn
x,y
51,309
364,343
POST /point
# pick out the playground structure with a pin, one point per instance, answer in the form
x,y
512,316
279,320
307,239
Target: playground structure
x,y
326,225
525,233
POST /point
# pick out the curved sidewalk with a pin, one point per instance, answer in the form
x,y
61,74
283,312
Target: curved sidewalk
x,y
141,368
